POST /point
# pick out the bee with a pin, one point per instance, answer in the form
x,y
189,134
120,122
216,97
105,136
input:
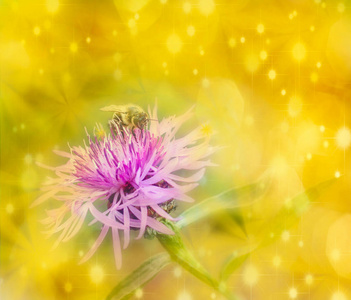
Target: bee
x,y
131,116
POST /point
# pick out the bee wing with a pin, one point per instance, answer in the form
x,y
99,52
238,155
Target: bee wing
x,y
113,108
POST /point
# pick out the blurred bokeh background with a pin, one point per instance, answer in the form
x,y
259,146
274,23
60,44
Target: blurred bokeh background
x,y
270,81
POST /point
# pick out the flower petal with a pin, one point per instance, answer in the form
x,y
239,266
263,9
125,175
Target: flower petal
x,y
126,227
104,219
96,245
117,247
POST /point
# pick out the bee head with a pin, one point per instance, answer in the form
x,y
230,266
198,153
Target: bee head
x,y
141,120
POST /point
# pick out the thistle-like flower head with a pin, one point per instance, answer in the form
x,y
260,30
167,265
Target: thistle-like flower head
x,y
127,180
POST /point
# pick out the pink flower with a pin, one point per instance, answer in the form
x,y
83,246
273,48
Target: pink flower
x,y
126,181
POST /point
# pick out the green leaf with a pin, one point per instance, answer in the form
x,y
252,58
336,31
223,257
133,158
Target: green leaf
x,y
287,217
139,277
282,221
228,200
238,218
232,263
180,254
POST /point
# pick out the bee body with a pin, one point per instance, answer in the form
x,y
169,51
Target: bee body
x,y
131,116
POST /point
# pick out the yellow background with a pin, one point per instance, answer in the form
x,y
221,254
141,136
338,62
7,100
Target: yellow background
x,y
271,83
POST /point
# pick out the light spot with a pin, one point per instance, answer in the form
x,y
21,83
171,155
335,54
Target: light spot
x,y
9,208
286,235
249,120
163,1
205,83
263,55
341,7
301,244
80,253
28,159
314,77
73,47
96,274
335,254
139,293
202,52
222,287
68,287
277,261
284,126
117,57
36,30
291,16
213,296
190,30
184,295
23,271
23,126
88,40
206,129
312,28
309,279
318,65
131,23
174,43
287,203
337,174
272,74
177,272
47,24
206,7
250,275
114,33
293,293
295,13
321,128
338,296
99,132
195,71
52,5
343,138
117,74
260,28
252,63
136,16
39,157
299,51
325,144
242,39
164,64
29,178
309,156
294,106
41,71
187,7
279,165
232,42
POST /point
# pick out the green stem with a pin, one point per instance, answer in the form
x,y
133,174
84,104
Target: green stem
x,y
181,255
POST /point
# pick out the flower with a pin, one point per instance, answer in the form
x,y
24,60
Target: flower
x,y
127,180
